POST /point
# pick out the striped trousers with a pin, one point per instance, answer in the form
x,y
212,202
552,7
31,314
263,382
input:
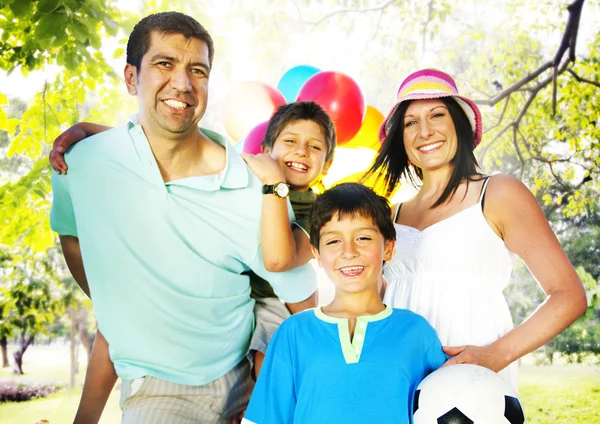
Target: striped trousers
x,y
150,400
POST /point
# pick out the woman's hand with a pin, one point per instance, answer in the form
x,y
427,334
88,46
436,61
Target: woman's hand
x,y
485,356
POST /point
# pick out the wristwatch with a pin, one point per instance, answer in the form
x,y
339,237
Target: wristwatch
x,y
281,190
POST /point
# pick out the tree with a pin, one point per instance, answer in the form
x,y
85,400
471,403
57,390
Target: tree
x,y
31,297
540,101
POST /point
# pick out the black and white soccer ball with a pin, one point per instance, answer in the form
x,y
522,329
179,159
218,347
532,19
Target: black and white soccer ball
x,y
466,394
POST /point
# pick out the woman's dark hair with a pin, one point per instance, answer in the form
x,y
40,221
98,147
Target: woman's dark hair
x,y
301,111
391,162
354,200
165,23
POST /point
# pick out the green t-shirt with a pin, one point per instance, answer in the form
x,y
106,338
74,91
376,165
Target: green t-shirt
x,y
302,202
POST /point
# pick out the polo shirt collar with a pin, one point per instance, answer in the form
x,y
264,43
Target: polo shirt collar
x,y
234,175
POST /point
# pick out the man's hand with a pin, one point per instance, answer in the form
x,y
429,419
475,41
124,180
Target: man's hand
x,y
61,144
265,168
484,356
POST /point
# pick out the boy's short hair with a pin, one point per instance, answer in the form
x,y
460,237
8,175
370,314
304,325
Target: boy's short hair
x,y
167,23
351,199
301,111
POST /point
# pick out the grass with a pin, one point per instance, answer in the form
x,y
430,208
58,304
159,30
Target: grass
x,y
560,394
549,394
50,365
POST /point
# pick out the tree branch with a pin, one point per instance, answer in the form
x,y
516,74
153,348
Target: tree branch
x,y
429,14
340,12
568,42
581,79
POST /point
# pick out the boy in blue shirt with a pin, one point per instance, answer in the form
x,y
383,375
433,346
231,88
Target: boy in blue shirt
x,y
355,360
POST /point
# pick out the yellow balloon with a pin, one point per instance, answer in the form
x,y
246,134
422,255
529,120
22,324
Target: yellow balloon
x,y
374,182
367,134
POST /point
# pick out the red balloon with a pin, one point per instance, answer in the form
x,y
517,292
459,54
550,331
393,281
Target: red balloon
x,y
341,98
254,138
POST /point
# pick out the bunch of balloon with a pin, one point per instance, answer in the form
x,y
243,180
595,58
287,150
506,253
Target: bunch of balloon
x,y
247,105
341,97
292,81
253,141
368,134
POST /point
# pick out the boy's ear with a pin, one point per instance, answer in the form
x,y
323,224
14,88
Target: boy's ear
x,y
316,254
388,249
265,149
130,74
326,167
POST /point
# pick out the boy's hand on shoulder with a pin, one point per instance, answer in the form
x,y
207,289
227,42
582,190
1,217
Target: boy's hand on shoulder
x,y
265,168
57,155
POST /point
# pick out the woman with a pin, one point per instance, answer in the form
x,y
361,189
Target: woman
x,y
457,236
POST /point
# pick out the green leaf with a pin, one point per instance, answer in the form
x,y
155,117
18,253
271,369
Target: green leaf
x,y
2,119
60,39
79,30
47,6
118,53
20,8
51,25
71,61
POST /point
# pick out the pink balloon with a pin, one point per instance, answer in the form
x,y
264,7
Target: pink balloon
x,y
254,138
341,98
247,105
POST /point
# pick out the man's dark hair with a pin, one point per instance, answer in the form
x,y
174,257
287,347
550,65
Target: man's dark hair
x,y
392,161
353,200
165,23
301,111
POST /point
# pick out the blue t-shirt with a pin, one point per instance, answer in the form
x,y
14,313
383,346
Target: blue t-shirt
x,y
165,261
314,374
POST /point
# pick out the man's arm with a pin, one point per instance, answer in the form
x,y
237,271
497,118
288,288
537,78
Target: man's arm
x,y
71,136
72,253
100,379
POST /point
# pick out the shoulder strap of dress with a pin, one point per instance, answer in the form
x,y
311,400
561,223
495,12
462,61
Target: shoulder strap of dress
x,y
397,212
483,188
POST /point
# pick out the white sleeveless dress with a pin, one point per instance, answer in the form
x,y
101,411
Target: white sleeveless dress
x,y
453,274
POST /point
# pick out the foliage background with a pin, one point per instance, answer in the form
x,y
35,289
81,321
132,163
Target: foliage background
x,y
61,62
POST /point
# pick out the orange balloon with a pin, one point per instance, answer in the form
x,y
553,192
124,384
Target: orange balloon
x,y
367,134
247,105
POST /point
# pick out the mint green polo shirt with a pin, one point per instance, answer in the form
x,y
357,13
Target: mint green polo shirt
x,y
164,261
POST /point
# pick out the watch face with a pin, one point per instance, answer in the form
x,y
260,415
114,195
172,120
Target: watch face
x,y
282,189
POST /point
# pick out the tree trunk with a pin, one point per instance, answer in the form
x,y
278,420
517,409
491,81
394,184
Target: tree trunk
x,y
73,347
4,343
18,355
87,340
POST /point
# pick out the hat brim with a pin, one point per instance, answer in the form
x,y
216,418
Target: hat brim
x,y
469,107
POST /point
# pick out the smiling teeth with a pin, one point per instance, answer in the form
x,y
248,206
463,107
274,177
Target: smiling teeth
x,y
352,268
430,146
298,166
176,104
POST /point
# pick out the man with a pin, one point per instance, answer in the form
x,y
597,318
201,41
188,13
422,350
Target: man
x,y
158,220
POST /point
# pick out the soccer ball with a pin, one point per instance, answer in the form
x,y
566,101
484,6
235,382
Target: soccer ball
x,y
466,394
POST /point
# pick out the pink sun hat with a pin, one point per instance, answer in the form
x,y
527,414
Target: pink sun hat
x,y
434,84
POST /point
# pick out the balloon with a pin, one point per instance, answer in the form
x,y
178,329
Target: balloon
x,y
347,162
247,105
367,135
341,98
255,138
291,82
374,182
